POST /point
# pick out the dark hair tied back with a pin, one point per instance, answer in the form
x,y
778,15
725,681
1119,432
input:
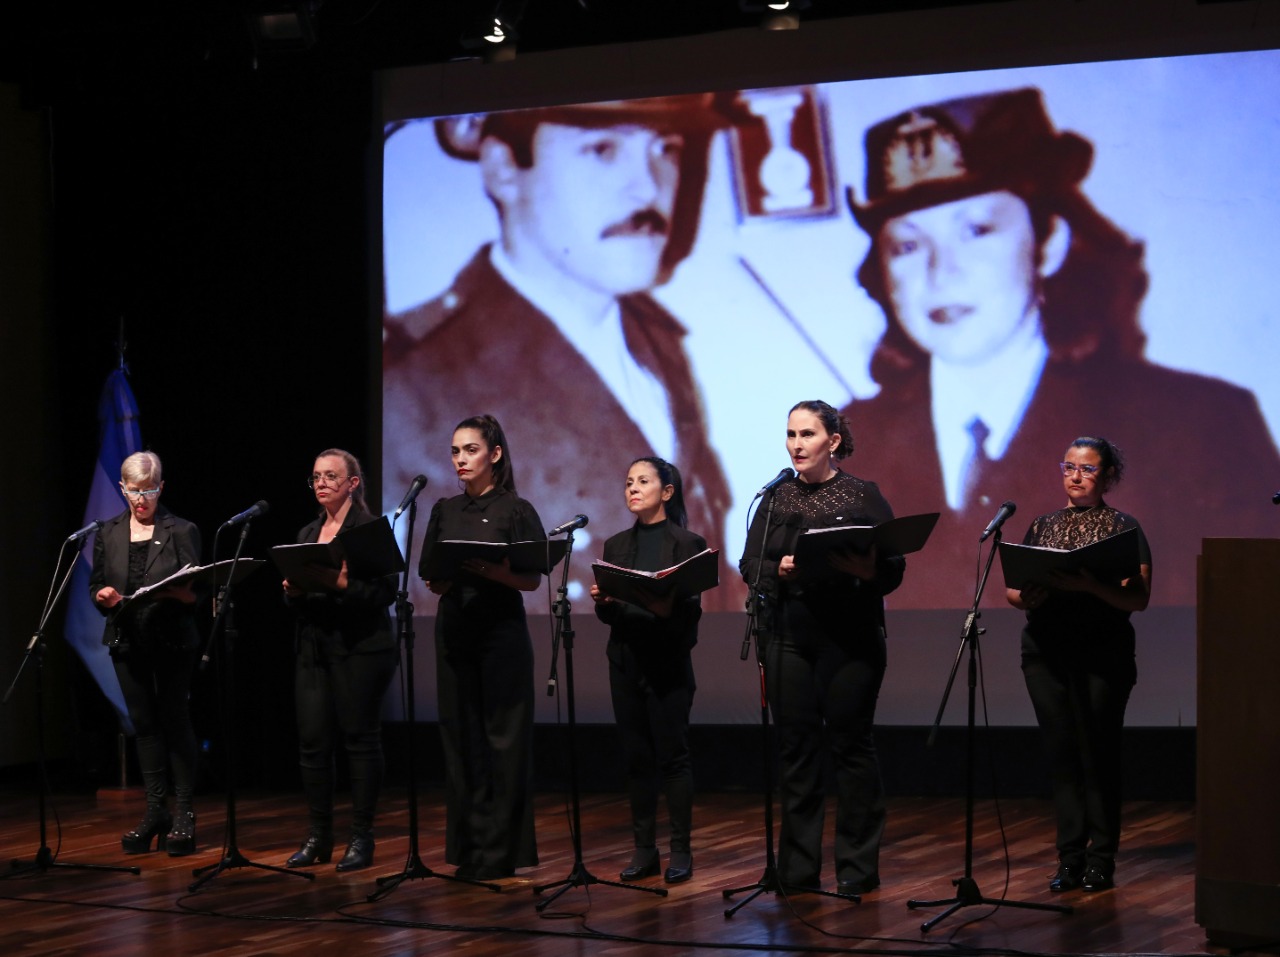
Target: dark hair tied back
x,y
1111,459
668,474
833,422
490,430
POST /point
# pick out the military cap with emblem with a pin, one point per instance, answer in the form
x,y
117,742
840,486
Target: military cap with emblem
x,y
460,136
956,148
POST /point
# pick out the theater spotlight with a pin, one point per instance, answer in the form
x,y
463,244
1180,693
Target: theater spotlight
x,y
495,34
776,14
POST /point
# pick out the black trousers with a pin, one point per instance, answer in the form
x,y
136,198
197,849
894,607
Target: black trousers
x,y
484,676
339,694
822,677
651,706
155,678
1081,714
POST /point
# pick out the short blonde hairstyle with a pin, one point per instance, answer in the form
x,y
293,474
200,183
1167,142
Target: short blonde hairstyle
x,y
141,468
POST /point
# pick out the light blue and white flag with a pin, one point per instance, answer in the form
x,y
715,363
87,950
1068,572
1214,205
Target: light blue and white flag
x,y
119,437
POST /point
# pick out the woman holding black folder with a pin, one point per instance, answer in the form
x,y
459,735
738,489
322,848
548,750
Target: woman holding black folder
x,y
650,668
346,655
1078,663
824,652
154,649
484,661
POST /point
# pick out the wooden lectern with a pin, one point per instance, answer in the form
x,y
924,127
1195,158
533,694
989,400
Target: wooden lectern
x,y
1238,741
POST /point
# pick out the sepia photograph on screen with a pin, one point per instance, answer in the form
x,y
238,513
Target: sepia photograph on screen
x,y
975,267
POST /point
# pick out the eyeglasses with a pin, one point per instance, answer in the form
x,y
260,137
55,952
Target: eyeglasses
x,y
144,493
1069,469
325,478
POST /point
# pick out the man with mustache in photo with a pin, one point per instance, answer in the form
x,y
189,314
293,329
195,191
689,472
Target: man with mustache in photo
x,y
551,328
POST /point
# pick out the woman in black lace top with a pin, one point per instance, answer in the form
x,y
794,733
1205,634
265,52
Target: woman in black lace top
x,y
1078,662
824,652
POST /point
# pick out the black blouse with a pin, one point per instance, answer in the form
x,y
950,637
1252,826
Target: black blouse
x,y
496,516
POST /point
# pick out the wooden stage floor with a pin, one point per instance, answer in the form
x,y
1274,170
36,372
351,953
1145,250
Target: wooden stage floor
x,y
244,910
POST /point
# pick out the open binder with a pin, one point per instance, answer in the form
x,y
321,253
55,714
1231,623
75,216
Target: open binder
x,y
690,577
898,536
197,576
540,555
370,551
1112,559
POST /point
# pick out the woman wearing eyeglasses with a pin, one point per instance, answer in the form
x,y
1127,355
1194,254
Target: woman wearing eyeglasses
x,y
345,657
1078,663
153,648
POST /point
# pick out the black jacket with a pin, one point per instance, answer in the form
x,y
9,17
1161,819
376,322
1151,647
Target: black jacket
x,y
175,543
350,622
631,625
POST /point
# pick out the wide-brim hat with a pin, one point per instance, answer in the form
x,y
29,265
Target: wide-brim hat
x,y
460,136
975,144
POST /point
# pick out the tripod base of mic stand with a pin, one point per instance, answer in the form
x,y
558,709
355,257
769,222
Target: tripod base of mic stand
x,y
968,895
581,877
769,883
43,861
233,859
415,870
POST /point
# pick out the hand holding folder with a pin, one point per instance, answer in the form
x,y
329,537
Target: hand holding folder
x,y
659,589
370,551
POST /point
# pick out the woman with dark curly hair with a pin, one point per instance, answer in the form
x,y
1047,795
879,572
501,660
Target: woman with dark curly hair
x,y
1078,662
823,640
484,661
1012,309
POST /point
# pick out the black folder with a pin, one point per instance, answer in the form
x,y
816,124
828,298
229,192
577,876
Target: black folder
x,y
690,577
540,555
1113,559
898,536
370,551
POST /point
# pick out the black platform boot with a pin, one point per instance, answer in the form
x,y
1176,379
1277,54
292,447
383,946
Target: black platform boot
x,y
156,821
182,837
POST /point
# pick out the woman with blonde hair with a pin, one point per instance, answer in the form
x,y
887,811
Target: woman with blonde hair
x,y
153,649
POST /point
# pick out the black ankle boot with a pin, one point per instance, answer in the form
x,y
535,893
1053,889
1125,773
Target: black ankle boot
x,y
359,853
155,823
182,837
316,849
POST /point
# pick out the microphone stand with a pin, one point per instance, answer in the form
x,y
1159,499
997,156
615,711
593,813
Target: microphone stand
x,y
44,859
967,891
414,869
769,881
579,876
231,858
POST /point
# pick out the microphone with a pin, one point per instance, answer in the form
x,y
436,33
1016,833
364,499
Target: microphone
x,y
260,508
776,481
84,532
1275,499
1002,516
578,521
418,485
